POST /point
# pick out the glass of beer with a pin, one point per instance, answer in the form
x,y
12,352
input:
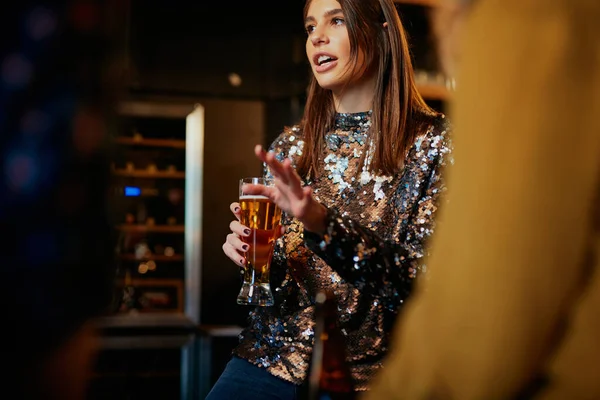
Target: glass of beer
x,y
263,218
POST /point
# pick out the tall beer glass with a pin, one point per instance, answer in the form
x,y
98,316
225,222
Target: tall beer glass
x,y
263,218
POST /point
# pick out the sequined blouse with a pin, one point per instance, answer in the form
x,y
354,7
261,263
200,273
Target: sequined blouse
x,y
374,247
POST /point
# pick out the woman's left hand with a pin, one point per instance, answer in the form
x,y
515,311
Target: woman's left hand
x,y
289,194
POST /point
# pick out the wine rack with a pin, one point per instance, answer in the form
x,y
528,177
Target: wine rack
x,y
157,193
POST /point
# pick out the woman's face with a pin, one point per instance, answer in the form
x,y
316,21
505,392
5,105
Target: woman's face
x,y
328,46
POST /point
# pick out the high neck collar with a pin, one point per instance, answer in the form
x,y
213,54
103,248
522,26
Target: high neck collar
x,y
353,121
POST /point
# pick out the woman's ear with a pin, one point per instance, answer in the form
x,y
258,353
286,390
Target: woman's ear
x,y
385,25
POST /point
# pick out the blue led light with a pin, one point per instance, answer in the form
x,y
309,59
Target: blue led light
x,y
132,191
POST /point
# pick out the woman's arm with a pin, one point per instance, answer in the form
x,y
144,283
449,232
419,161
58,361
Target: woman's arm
x,y
362,257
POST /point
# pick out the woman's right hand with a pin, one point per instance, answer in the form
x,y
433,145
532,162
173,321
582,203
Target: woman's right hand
x,y
234,247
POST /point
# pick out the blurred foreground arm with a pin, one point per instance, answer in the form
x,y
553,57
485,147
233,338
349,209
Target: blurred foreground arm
x,y
509,256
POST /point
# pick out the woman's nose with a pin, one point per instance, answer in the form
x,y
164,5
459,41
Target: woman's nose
x,y
319,36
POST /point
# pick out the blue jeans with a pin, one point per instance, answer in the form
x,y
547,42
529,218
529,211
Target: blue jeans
x,y
244,381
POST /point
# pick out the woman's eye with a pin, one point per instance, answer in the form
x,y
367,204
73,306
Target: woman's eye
x,y
338,21
309,28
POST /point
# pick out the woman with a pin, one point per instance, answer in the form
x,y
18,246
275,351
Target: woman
x,y
359,181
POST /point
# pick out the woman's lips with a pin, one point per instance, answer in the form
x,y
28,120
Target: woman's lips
x,y
326,66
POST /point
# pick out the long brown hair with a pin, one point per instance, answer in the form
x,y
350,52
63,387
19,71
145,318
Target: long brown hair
x,y
398,109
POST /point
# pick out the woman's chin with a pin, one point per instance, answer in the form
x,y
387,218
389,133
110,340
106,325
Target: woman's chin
x,y
329,84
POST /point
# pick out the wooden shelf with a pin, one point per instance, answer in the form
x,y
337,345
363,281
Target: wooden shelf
x,y
146,340
432,91
153,257
149,109
427,3
145,320
220,330
151,228
140,173
133,141
131,374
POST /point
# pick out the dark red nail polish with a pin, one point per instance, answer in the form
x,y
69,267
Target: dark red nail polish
x,y
247,231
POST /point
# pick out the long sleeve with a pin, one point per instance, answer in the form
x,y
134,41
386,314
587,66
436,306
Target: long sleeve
x,y
509,256
383,221
389,265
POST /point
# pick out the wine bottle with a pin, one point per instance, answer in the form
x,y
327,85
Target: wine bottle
x,y
330,377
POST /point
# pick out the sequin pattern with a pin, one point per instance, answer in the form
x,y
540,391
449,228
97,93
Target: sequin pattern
x,y
377,227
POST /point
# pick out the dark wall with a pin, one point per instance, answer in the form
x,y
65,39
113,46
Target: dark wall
x,y
190,47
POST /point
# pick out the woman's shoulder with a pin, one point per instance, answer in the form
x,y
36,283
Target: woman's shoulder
x,y
289,143
436,130
435,138
436,124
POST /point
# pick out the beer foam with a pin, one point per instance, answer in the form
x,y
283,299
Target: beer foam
x,y
253,197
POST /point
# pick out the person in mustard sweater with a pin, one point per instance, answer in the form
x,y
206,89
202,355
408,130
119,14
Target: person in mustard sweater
x,y
511,306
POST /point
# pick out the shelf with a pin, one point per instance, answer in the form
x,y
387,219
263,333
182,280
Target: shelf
x,y
427,3
140,173
144,341
151,228
130,375
145,109
432,91
145,320
220,330
133,141
153,257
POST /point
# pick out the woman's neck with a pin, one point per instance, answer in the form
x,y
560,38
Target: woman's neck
x,y
357,97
